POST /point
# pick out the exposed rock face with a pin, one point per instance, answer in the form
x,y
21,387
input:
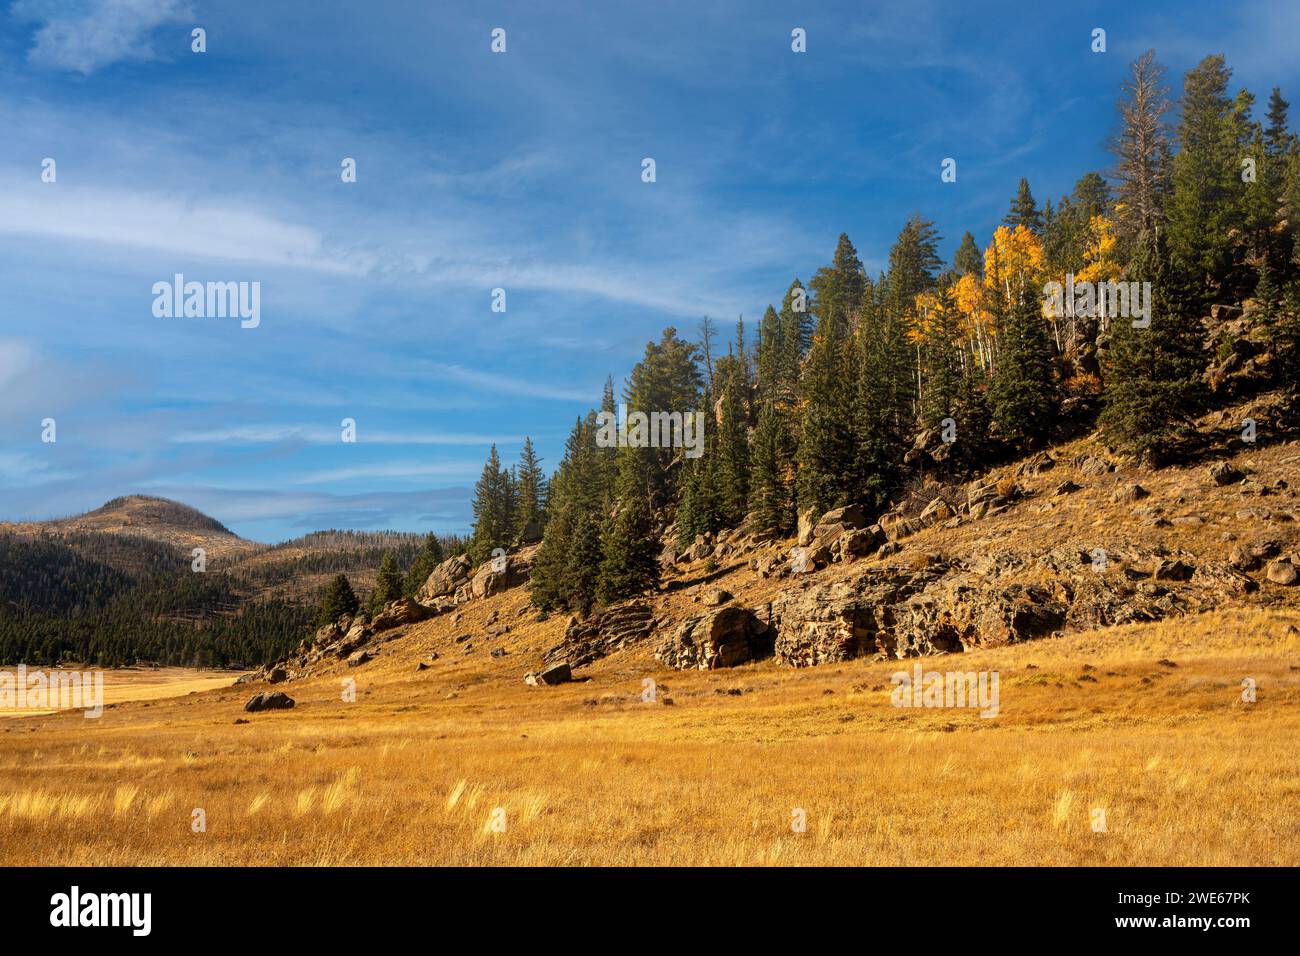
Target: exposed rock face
x,y
445,579
722,638
399,612
602,634
502,574
270,700
357,636
897,612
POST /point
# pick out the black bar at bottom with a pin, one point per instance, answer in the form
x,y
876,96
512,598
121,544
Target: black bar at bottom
x,y
338,905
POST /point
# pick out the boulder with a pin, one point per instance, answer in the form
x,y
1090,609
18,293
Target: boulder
x,y
445,579
936,511
359,658
1131,493
1282,572
502,574
277,674
895,526
553,674
717,597
399,612
269,700
857,543
805,530
531,533
1223,473
357,636
722,638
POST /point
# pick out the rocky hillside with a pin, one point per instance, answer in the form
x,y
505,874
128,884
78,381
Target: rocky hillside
x,y
1072,539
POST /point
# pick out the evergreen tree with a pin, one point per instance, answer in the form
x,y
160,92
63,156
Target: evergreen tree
x,y
565,567
531,490
881,405
1022,395
913,265
339,600
1153,375
943,361
771,495
968,258
630,551
733,434
1206,209
388,583
1278,137
1143,163
493,509
1092,196
1024,211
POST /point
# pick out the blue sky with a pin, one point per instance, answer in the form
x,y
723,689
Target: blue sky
x,y
478,170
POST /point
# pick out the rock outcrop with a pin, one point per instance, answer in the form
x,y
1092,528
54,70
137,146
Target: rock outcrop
x,y
501,574
445,579
602,633
720,638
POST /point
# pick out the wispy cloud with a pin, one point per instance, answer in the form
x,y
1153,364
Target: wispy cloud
x,y
319,435
89,35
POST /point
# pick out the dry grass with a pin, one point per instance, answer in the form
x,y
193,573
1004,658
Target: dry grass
x,y
464,764
1184,770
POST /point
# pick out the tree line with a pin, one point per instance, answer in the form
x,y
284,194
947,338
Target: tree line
x,y
817,409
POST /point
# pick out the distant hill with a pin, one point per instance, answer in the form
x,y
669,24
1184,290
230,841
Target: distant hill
x,y
115,585
156,519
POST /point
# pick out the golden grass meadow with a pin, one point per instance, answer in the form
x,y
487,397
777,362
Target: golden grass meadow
x,y
462,764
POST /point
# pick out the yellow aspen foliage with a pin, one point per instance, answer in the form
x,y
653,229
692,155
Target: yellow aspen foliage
x,y
1100,264
1013,260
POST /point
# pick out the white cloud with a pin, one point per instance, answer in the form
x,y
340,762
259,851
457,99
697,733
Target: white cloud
x,y
401,469
271,434
87,36
164,223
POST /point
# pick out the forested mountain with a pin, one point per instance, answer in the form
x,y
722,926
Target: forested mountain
x,y
133,594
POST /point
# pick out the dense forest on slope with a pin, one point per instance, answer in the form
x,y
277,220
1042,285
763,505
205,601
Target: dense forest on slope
x,y
1084,312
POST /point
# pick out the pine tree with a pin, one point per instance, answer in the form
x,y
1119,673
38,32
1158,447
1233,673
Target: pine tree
x,y
1092,196
1278,136
881,404
531,490
913,265
1024,211
565,567
1022,395
493,509
388,583
339,600
1206,209
630,552
968,258
1153,375
733,434
771,497
943,361
1142,154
